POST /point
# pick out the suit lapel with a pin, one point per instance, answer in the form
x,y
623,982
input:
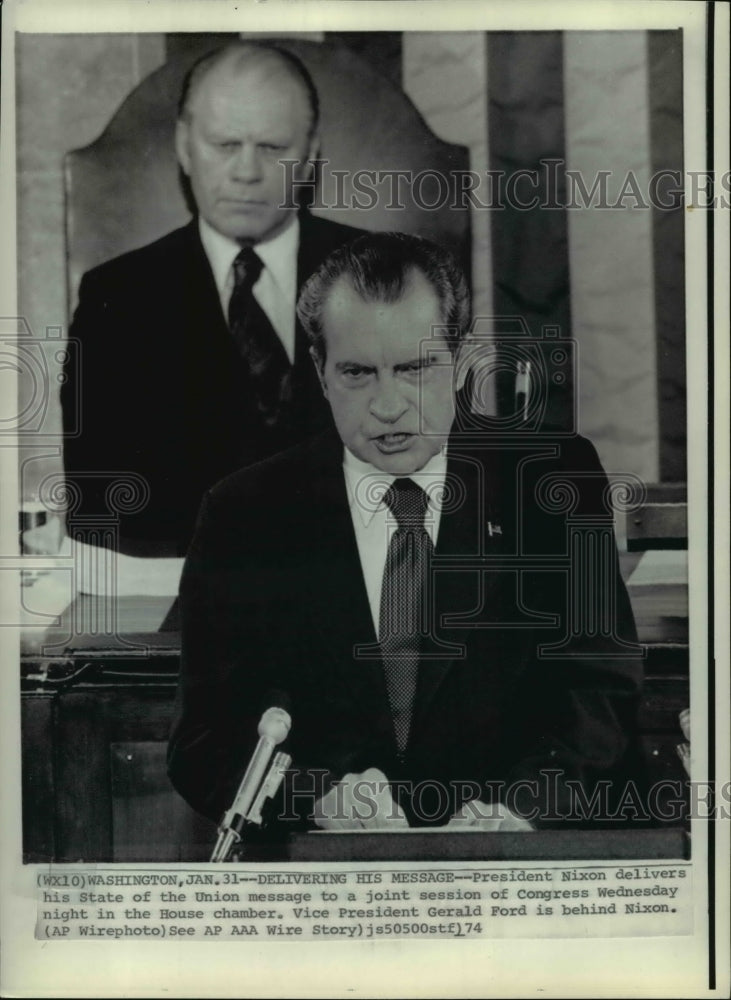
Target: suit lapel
x,y
214,397
199,289
341,612
465,591
209,346
340,608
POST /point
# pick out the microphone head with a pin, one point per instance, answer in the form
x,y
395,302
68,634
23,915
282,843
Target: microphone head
x,y
275,724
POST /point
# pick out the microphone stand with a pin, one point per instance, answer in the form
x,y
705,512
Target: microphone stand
x,y
256,786
230,832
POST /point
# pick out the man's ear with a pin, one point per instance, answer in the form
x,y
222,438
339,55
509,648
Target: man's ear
x,y
461,366
182,138
313,152
320,369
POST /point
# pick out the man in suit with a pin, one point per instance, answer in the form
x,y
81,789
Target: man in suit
x,y
407,588
192,361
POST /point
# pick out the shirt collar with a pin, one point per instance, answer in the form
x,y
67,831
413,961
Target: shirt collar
x,y
220,251
278,255
367,485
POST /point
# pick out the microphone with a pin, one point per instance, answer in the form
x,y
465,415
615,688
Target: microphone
x,y
522,388
273,729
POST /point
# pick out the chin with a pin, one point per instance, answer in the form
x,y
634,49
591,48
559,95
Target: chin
x,y
401,464
243,227
251,234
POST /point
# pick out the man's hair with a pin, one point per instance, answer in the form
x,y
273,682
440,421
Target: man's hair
x,y
379,267
243,55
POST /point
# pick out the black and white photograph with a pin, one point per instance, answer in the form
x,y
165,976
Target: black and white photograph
x,y
360,545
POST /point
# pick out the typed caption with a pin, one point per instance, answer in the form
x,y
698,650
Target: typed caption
x,y
243,903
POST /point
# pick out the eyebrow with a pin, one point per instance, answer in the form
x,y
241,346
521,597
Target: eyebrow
x,y
414,363
342,365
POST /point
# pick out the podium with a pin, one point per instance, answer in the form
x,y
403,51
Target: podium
x,y
97,711
440,844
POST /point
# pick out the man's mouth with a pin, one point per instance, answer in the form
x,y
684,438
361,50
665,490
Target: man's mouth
x,y
243,203
393,442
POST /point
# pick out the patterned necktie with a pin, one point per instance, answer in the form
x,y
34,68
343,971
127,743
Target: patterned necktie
x,y
401,618
258,344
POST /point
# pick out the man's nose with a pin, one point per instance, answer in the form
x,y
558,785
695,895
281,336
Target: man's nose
x,y
246,165
388,402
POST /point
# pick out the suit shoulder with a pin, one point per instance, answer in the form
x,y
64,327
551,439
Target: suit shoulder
x,y
570,456
575,467
274,479
565,452
145,260
577,453
328,234
573,452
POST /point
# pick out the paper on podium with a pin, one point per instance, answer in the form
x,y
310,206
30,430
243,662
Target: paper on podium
x,y
45,594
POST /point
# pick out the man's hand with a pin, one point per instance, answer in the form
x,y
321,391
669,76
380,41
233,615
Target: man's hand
x,y
358,802
476,815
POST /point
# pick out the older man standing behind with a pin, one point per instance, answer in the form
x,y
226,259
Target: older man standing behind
x,y
192,361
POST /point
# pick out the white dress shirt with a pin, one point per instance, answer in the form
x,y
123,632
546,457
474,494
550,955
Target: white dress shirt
x,y
276,289
374,523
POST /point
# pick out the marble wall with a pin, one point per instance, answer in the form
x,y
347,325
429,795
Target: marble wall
x,y
445,75
611,250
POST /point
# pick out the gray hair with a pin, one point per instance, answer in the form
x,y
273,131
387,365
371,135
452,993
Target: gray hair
x,y
379,266
242,55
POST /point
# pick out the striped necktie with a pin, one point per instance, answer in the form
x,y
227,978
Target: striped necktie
x,y
402,612
261,349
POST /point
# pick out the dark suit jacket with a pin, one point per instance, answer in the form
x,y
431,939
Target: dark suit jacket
x,y
273,603
162,390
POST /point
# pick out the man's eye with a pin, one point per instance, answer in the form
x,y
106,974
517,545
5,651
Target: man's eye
x,y
228,144
354,374
272,147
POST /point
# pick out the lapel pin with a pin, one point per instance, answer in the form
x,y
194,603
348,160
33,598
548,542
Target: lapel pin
x,y
493,529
